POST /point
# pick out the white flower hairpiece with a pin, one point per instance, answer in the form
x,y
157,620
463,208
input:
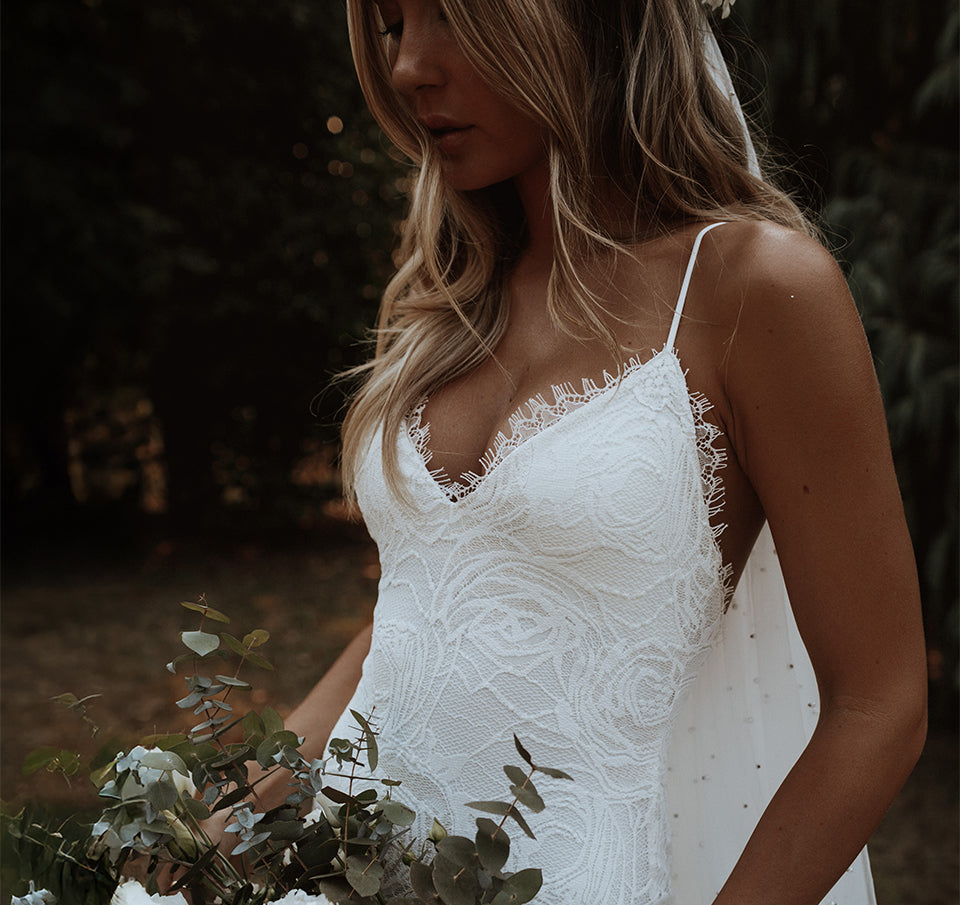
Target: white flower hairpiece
x,y
723,5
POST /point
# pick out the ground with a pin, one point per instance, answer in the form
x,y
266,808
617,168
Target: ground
x,y
77,619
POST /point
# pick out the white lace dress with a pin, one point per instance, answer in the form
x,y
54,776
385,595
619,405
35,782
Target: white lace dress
x,y
570,594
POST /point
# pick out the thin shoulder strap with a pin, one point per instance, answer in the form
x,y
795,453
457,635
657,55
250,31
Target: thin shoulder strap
x,y
678,310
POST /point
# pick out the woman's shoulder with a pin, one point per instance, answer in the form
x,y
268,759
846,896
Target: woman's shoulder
x,y
757,256
794,338
777,285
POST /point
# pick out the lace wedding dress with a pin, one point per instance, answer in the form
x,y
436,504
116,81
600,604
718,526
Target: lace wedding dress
x,y
572,593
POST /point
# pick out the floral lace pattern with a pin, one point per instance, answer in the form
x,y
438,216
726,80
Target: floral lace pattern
x,y
567,593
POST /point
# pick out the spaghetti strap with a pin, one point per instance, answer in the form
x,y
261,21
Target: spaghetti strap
x,y
678,310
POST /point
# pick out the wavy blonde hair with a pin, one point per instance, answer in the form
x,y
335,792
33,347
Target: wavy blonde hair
x,y
660,135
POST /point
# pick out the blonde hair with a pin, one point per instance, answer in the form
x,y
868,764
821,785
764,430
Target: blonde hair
x,y
659,133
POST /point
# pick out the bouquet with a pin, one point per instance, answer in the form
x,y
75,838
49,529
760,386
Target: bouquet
x,y
326,844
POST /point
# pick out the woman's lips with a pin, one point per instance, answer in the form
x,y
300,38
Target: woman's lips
x,y
448,135
449,141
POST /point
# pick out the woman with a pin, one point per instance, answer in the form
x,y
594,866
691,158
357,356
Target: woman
x,y
611,353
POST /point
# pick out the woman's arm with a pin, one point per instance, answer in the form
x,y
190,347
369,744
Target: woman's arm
x,y
807,428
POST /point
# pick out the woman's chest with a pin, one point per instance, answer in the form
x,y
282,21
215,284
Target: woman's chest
x,y
633,457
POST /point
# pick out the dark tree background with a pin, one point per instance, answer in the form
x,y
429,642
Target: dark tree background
x,y
198,218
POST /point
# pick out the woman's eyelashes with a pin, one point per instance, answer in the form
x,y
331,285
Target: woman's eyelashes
x,y
393,30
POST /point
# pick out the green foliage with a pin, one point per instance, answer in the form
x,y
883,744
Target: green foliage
x,y
156,799
54,856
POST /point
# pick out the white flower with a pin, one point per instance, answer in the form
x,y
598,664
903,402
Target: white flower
x,y
722,5
323,808
148,775
35,897
299,897
133,893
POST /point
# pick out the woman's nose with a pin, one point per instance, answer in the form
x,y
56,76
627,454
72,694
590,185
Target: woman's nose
x,y
418,62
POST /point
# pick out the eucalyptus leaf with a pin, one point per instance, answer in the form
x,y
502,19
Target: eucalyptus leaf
x,y
164,760
67,762
162,794
256,638
364,876
251,843
201,643
504,810
253,725
38,759
68,700
100,776
195,808
165,741
521,750
228,800
491,807
519,888
233,754
286,830
318,846
493,845
516,775
233,682
421,880
208,612
527,795
458,849
131,788
176,661
556,774
338,891
257,660
455,884
273,744
398,814
370,737
272,721
336,795
233,643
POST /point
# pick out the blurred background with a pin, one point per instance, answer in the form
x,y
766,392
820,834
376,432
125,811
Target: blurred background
x,y
198,218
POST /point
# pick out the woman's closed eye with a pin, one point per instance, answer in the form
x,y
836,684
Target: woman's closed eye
x,y
393,30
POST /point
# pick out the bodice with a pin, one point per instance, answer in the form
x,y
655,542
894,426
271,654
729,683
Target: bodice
x,y
567,594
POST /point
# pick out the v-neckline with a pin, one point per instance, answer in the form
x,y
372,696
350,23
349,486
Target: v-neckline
x,y
529,420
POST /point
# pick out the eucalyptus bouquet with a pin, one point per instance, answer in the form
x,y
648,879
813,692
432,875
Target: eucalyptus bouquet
x,y
327,843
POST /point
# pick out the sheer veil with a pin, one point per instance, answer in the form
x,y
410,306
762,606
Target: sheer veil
x,y
748,715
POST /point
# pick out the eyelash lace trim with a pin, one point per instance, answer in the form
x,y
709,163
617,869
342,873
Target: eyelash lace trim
x,y
536,415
